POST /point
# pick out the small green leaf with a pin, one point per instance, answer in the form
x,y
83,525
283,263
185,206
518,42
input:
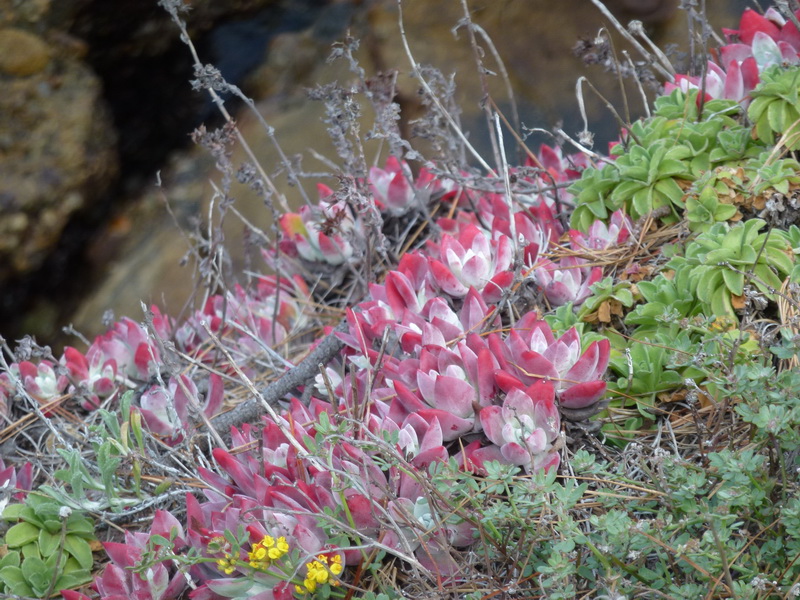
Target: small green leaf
x,y
721,303
15,581
734,280
624,296
12,559
776,116
30,551
21,534
757,108
48,542
52,525
764,131
13,512
68,581
77,524
36,573
79,548
766,280
723,212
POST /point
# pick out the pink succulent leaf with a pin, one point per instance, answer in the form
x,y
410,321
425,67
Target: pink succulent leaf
x,y
401,294
533,328
790,52
519,344
735,53
544,462
166,525
734,83
215,395
159,412
507,382
184,394
449,393
76,362
479,367
432,455
21,480
363,512
292,224
500,352
474,456
752,23
330,250
491,418
601,236
592,364
432,336
415,267
565,351
453,427
162,324
515,454
474,312
113,583
432,438
531,366
123,555
410,401
766,51
582,395
283,591
302,235
143,357
391,187
446,280
750,74
73,595
436,558
230,464
497,286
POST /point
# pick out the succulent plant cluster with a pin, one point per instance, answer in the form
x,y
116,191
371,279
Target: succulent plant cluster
x,y
474,347
457,382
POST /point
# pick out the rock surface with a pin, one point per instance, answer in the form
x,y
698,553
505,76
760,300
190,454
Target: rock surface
x,y
70,72
57,146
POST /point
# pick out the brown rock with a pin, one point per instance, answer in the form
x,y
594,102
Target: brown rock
x,y
22,53
56,156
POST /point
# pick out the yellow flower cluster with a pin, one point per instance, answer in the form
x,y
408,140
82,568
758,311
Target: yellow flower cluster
x,y
319,571
267,550
227,564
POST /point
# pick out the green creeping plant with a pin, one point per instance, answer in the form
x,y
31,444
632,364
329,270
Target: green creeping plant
x,y
721,260
48,548
775,109
705,202
660,156
765,173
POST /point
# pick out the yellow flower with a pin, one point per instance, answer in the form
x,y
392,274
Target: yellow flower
x,y
336,566
227,564
281,548
319,572
259,553
267,550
